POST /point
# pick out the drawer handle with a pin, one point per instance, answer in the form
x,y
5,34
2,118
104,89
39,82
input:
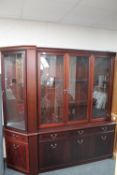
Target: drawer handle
x,y
80,141
104,128
15,147
103,138
14,135
53,146
53,136
80,132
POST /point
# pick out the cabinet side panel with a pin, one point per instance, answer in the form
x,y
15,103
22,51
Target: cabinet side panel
x,y
31,90
33,155
32,122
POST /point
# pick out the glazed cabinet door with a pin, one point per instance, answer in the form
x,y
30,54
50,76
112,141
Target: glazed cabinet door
x,y
51,86
13,83
17,155
102,87
77,88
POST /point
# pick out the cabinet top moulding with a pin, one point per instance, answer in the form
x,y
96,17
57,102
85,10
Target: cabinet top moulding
x,y
76,51
17,48
61,50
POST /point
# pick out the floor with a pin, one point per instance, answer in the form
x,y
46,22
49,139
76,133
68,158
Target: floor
x,y
116,166
104,167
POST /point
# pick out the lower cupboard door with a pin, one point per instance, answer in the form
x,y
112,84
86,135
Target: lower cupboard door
x,y
80,149
104,144
17,156
52,154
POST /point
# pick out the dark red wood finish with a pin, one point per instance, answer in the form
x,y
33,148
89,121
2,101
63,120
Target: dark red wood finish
x,y
40,147
17,150
17,155
98,140
31,90
91,80
32,109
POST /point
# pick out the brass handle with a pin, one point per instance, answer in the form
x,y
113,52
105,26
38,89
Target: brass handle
x,y
80,141
15,146
80,132
104,128
53,136
14,135
103,138
53,146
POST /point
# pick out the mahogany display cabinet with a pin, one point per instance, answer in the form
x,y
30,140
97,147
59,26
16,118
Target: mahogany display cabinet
x,y
57,107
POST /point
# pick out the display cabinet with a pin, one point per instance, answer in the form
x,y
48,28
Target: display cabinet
x,y
56,102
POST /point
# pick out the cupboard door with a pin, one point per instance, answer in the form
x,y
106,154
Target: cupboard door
x,y
78,149
102,85
51,73
13,88
104,144
52,154
17,155
78,88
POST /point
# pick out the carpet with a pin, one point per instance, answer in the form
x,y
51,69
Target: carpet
x,y
103,167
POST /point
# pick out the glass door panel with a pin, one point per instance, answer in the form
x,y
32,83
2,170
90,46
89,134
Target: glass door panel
x,y
78,88
52,84
101,87
14,89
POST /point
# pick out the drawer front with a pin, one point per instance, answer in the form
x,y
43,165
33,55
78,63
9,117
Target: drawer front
x,y
52,136
17,155
104,128
15,136
93,130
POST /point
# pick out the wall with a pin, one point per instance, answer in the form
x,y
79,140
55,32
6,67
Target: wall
x,y
19,32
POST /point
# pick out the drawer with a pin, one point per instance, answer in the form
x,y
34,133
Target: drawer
x,y
53,136
16,137
107,128
92,130
103,128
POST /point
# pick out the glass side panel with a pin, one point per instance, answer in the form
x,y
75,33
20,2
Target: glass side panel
x,y
52,79
14,90
78,88
101,87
